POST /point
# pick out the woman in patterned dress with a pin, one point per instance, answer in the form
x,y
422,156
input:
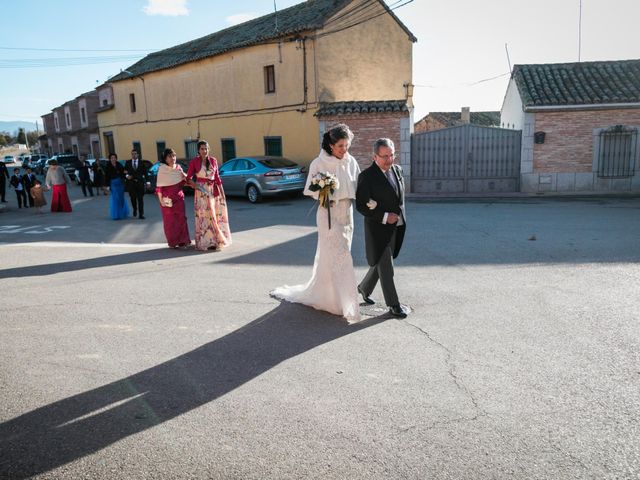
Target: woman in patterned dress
x,y
210,205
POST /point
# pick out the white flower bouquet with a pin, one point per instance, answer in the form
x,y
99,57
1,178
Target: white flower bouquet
x,y
325,183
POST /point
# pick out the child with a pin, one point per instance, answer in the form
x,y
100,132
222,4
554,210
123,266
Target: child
x,y
17,182
38,196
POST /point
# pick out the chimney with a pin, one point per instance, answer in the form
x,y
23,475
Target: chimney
x,y
465,115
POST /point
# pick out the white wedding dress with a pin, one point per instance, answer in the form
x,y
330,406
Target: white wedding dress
x,y
332,287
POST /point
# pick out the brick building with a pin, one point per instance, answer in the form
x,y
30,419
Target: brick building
x,y
72,127
369,121
580,125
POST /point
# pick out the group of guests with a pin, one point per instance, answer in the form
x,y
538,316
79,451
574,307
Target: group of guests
x,y
210,207
30,191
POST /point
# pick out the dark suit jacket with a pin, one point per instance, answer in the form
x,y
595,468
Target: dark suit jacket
x,y
28,182
373,185
139,175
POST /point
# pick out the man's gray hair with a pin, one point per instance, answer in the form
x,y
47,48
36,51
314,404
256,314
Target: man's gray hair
x,y
383,142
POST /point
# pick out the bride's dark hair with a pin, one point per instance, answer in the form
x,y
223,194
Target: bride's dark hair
x,y
334,135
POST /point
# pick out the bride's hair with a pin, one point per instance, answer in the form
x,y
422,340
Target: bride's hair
x,y
334,135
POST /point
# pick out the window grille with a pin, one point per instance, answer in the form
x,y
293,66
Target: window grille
x,y
617,152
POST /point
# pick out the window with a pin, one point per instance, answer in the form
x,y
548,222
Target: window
x,y
55,120
160,146
132,102
138,148
68,119
104,102
243,164
191,149
82,115
228,149
269,79
273,146
227,167
109,143
616,151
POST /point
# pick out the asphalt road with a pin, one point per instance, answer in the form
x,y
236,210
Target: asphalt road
x,y
121,358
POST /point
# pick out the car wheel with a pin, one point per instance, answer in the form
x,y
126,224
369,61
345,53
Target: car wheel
x,y
253,194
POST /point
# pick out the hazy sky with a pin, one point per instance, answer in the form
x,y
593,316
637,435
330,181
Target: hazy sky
x,y
53,51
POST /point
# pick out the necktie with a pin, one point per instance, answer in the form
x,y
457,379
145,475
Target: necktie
x,y
392,181
135,165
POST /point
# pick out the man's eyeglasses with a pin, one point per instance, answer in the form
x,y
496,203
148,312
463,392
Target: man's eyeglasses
x,y
388,157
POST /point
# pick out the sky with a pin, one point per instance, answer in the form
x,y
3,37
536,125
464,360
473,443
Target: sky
x,y
54,51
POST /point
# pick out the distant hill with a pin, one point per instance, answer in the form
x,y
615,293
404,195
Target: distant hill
x,y
12,127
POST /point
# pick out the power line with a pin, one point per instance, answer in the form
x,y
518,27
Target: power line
x,y
75,49
356,15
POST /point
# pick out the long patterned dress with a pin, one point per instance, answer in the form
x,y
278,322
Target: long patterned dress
x,y
210,206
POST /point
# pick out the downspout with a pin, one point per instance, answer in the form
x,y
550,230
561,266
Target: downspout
x,y
304,66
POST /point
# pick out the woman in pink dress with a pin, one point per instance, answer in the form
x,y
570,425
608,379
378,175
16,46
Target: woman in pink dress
x,y
169,184
210,205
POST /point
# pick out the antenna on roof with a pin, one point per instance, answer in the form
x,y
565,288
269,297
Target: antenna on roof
x,y
275,9
580,31
508,59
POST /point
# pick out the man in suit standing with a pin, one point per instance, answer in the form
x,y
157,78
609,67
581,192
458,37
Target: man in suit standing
x,y
28,181
136,176
380,198
4,176
84,177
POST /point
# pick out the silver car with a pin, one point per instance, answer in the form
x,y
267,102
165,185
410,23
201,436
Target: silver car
x,y
255,177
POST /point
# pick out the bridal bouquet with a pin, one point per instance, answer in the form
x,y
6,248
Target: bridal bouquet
x,y
325,184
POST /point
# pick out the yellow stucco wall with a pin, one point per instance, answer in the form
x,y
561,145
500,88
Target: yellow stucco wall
x,y
369,61
224,97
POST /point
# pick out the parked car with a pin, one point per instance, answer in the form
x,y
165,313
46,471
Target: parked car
x,y
67,161
39,164
255,177
9,159
38,161
153,175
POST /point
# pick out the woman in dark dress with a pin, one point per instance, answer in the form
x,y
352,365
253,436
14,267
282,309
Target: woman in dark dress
x,y
114,175
169,185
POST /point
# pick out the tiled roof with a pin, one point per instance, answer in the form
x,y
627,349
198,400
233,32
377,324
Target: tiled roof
x,y
381,106
585,83
453,119
303,17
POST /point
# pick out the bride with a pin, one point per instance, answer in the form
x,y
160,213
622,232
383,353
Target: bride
x,y
332,286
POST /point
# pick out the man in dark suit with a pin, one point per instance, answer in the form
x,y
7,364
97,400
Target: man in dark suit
x,y
380,198
136,176
28,180
4,176
84,177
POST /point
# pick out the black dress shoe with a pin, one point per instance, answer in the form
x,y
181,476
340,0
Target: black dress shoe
x,y
399,311
141,217
367,300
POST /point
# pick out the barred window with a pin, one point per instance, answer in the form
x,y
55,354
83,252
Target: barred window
x,y
616,151
269,79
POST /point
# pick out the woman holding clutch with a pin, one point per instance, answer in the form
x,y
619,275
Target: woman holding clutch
x,y
169,184
209,203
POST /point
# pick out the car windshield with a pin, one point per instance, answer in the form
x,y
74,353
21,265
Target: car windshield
x,y
277,162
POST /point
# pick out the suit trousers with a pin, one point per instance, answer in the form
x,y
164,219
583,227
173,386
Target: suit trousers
x,y
383,271
22,199
136,192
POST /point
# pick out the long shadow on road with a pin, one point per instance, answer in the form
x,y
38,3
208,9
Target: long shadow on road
x,y
61,432
98,262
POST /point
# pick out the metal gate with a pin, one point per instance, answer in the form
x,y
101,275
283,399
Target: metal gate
x,y
466,159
